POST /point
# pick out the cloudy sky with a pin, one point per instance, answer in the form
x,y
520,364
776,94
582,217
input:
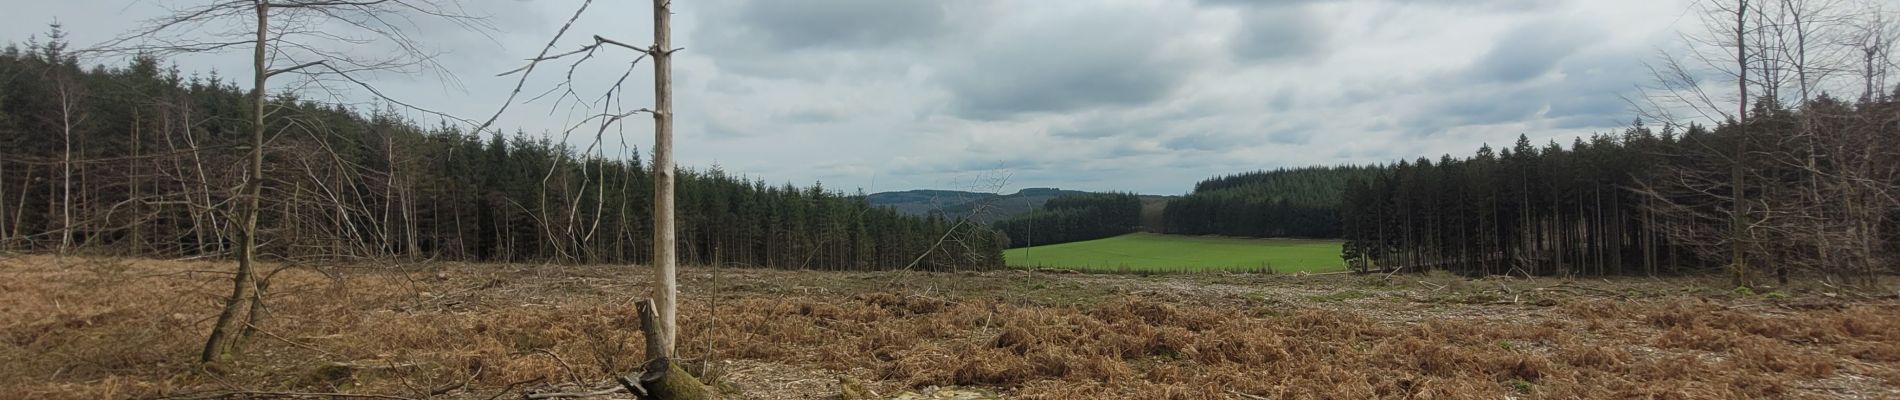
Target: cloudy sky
x,y
1135,95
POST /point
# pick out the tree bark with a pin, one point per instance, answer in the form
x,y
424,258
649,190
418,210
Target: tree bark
x,y
253,183
6,233
665,257
66,187
1737,206
138,202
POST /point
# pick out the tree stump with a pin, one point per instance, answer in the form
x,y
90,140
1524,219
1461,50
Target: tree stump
x,y
662,378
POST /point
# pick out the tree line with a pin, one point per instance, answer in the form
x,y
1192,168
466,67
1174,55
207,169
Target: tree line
x,y
146,160
1525,209
1074,218
1644,202
1287,202
1790,179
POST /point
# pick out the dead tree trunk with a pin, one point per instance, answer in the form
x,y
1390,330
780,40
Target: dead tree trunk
x,y
66,103
6,234
665,256
1738,207
138,200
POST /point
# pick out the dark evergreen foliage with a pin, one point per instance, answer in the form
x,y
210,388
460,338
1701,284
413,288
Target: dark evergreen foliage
x,y
157,153
1549,210
1074,218
1296,202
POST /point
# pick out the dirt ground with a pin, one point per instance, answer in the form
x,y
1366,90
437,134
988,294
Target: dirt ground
x,y
86,328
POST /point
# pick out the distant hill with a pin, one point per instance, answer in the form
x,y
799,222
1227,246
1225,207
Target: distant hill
x,y
955,203
922,202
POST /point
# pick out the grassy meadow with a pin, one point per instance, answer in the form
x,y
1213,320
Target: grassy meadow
x,y
1148,252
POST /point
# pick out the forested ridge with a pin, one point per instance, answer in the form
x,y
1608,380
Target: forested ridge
x,y
1287,202
145,160
1074,218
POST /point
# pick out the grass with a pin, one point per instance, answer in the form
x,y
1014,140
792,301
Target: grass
x,y
1148,252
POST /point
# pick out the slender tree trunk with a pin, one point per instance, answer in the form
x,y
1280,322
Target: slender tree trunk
x,y
389,192
1738,208
664,244
19,213
253,184
138,202
6,232
66,162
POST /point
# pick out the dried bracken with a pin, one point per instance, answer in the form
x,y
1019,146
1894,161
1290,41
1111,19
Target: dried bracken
x,y
74,332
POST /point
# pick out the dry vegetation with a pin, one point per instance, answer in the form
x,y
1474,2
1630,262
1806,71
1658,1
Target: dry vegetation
x,y
114,328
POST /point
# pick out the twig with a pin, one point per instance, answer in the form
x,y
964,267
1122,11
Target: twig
x,y
568,395
511,387
1247,396
249,394
254,328
564,365
453,387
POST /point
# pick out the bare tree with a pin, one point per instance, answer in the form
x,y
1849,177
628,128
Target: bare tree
x,y
1790,186
665,259
1871,39
663,332
1738,206
69,94
296,37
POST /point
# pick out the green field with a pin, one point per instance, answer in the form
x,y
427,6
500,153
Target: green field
x,y
1148,252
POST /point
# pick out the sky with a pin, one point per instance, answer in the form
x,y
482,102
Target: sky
x,y
1146,96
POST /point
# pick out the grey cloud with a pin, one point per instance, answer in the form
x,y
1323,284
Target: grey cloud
x,y
1060,93
1531,50
1093,132
1593,86
1381,154
1477,108
1130,149
718,129
1283,99
1587,104
1017,164
1100,127
1297,134
1059,80
809,40
1269,33
1588,121
1494,5
838,23
1198,141
813,115
1067,61
1588,95
1472,107
1086,128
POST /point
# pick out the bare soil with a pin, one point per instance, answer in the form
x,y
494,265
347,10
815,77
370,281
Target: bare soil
x,y
86,328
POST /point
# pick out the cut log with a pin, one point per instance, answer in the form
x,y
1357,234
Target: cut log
x,y
662,378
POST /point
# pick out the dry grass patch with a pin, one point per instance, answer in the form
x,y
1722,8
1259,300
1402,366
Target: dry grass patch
x,y
128,328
